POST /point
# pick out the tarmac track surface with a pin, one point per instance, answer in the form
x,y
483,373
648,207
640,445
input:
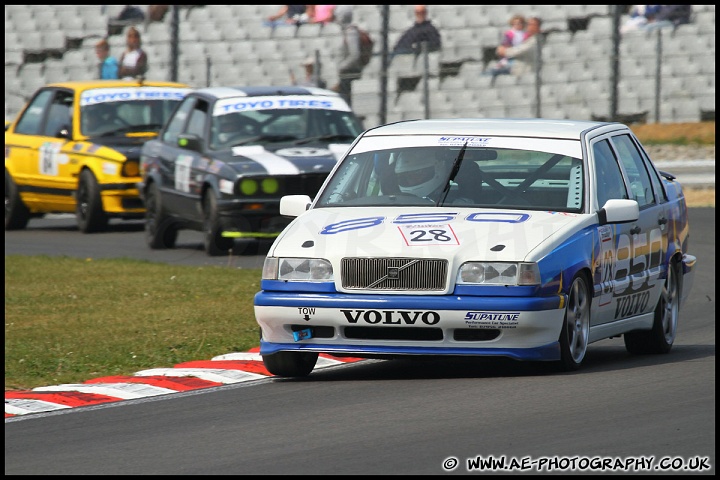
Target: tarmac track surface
x,y
373,417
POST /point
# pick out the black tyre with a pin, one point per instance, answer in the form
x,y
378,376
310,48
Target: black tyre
x,y
215,243
576,326
17,214
667,311
159,231
89,210
290,364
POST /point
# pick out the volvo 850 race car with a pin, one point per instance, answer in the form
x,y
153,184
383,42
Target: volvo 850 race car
x,y
228,154
75,147
528,239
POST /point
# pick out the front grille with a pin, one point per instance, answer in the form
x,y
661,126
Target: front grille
x,y
475,334
318,331
305,184
393,274
426,334
131,203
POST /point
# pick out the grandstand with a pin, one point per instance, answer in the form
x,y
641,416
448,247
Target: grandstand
x,y
230,45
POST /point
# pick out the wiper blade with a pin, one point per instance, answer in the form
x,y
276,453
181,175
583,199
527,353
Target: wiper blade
x,y
265,138
334,136
453,173
133,128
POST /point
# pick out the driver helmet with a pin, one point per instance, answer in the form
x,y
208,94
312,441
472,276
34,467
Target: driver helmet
x,y
419,172
232,125
95,117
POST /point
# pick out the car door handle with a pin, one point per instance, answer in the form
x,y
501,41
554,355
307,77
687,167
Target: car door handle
x,y
635,230
662,221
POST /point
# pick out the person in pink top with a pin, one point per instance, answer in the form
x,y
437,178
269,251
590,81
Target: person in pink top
x,y
512,37
323,14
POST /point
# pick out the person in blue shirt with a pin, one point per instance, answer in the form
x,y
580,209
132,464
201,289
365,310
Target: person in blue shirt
x,y
108,63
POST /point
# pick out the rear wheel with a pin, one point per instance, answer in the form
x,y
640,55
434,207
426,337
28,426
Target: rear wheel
x,y
17,214
290,364
159,232
89,210
667,311
215,243
576,327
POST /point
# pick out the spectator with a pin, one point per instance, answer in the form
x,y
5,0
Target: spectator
x,y
640,15
671,16
310,79
131,14
349,64
289,14
524,55
156,13
512,37
421,31
322,14
133,61
108,64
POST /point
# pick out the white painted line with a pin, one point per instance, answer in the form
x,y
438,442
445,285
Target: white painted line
x,y
240,356
23,406
210,374
119,390
321,363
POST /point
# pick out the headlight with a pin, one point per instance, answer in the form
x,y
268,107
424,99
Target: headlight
x,y
254,186
131,168
297,269
499,273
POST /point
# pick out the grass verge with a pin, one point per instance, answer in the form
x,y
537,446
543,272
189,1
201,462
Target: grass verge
x,y
70,320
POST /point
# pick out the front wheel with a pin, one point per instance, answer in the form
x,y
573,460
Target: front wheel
x,y
89,210
667,311
290,364
159,233
576,326
215,243
17,214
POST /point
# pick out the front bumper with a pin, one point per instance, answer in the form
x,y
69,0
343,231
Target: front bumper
x,y
376,325
251,219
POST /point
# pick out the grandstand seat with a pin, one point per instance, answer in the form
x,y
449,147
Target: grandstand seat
x,y
572,78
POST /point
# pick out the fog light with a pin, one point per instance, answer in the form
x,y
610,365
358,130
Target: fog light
x,y
248,186
270,185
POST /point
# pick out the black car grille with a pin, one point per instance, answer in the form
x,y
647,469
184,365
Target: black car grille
x,y
305,184
390,274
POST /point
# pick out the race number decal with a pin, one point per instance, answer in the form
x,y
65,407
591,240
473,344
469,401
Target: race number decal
x,y
183,165
421,235
49,158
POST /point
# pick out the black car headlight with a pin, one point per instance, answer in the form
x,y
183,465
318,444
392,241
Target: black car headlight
x,y
257,186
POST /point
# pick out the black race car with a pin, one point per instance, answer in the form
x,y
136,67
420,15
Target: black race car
x,y
228,154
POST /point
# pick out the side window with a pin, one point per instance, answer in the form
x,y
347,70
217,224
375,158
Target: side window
x,y
640,183
60,114
660,194
177,122
609,180
31,120
198,119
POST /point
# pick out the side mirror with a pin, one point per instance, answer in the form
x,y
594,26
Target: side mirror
x,y
619,211
189,142
294,205
64,132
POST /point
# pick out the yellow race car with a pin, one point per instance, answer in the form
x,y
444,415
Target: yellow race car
x,y
75,147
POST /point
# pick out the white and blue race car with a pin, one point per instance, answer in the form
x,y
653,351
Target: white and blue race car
x,y
522,238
